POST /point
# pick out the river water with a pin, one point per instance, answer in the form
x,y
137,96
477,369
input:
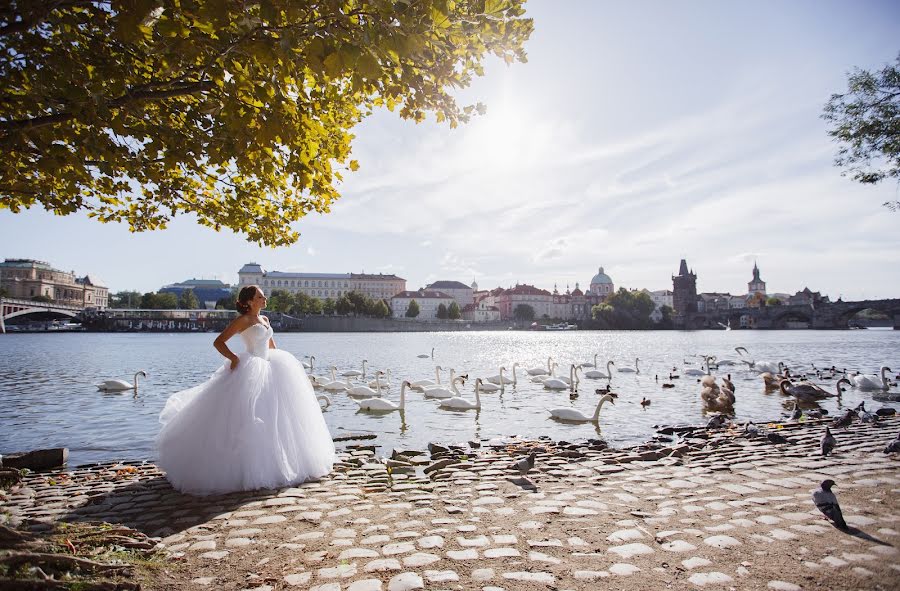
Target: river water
x,y
48,397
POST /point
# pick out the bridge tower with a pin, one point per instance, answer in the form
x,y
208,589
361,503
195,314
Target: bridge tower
x,y
684,290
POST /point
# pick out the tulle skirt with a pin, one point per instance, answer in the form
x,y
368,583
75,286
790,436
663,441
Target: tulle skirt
x,y
259,426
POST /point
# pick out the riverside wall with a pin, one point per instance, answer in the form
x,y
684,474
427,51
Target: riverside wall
x,y
361,324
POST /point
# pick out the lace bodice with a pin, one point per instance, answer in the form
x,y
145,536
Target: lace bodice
x,y
256,339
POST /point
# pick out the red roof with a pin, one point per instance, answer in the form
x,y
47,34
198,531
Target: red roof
x,y
524,289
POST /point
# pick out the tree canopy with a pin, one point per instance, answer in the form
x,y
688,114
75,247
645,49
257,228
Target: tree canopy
x,y
412,310
625,309
523,312
239,113
187,300
866,125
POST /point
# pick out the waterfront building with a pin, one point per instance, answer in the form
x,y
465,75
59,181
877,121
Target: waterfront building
x,y
28,278
684,290
808,298
208,291
756,285
428,300
322,285
540,300
601,284
714,302
660,297
462,293
481,312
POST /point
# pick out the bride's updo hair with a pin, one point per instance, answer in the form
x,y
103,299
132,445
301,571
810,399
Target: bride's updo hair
x,y
244,296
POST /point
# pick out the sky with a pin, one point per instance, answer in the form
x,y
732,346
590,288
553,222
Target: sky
x,y
637,134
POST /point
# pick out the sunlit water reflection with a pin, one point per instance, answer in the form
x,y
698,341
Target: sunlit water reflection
x,y
48,397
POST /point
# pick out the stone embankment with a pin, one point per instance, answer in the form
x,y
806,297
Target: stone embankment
x,y
718,510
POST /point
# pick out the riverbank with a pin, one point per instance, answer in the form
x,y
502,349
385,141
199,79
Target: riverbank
x,y
712,510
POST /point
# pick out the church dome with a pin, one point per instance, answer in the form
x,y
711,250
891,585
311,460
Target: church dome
x,y
601,278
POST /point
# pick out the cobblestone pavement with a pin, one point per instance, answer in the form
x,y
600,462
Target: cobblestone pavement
x,y
719,511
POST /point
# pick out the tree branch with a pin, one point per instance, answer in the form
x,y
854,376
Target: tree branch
x,y
40,14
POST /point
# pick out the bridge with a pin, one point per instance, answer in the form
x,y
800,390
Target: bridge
x,y
833,315
12,308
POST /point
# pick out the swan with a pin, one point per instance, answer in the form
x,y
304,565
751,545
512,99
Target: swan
x,y
576,416
460,403
323,398
501,379
442,393
774,380
312,363
387,381
699,372
760,366
863,382
490,387
589,364
715,398
365,391
120,385
596,373
438,386
559,383
540,371
354,373
807,391
425,355
335,384
383,404
634,370
422,383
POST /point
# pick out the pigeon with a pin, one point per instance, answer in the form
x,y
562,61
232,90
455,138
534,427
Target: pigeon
x,y
894,446
827,503
845,419
816,413
864,415
750,429
828,442
717,422
796,413
776,438
525,464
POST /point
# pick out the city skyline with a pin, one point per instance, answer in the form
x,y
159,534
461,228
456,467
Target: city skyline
x,y
635,136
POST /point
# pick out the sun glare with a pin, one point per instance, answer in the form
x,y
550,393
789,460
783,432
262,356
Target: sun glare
x,y
503,138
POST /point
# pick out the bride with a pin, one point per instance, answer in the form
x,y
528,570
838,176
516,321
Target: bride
x,y
254,424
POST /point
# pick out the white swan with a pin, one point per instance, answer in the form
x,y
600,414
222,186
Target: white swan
x,y
576,416
490,387
334,385
383,404
596,373
501,379
425,356
559,383
442,393
361,391
382,386
323,398
540,371
421,383
460,403
120,385
588,364
312,363
699,372
862,381
634,369
437,387
759,366
354,373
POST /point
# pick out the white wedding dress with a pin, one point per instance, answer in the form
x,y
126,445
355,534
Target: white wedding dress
x,y
258,426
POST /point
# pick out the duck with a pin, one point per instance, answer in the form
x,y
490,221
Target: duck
x,y
573,415
727,383
668,385
635,370
121,385
460,403
645,403
597,374
383,404
871,381
441,393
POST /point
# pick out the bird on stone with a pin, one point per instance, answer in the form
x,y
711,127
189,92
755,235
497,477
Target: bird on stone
x,y
845,419
750,429
796,413
894,446
524,465
886,411
776,438
645,403
828,442
827,503
864,415
816,413
717,422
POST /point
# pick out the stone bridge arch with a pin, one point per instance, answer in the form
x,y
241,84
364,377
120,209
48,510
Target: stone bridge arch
x,y
851,309
782,319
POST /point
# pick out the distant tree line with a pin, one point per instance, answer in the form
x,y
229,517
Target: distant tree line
x,y
628,310
353,303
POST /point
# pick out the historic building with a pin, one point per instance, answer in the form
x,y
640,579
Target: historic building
x,y
601,284
28,278
481,312
756,285
462,293
323,285
684,290
208,291
428,301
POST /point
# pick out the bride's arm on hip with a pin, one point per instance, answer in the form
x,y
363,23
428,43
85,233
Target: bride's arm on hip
x,y
236,326
272,343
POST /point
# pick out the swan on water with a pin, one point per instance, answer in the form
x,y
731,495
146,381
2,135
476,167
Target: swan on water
x,y
862,381
442,393
576,416
362,391
759,366
425,355
335,384
312,363
589,364
354,373
323,398
386,385
460,403
699,372
383,404
634,369
422,383
501,379
596,373
540,371
120,385
439,387
810,392
489,387
560,383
